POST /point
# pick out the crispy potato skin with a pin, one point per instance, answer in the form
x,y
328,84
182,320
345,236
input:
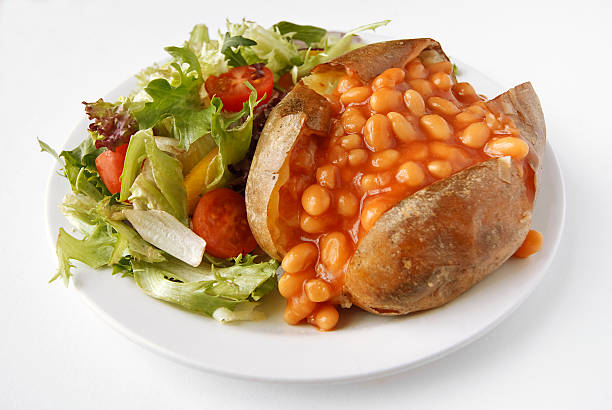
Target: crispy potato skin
x,y
440,241
369,61
521,103
301,108
445,238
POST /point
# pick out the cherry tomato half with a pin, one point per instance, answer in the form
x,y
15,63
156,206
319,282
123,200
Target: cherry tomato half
x,y
110,166
230,88
220,219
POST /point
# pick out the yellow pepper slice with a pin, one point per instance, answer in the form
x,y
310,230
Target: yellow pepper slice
x,y
196,180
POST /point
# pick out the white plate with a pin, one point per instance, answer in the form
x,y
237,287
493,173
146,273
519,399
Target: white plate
x,y
363,346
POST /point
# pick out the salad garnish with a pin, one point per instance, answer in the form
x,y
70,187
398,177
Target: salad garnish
x,y
151,182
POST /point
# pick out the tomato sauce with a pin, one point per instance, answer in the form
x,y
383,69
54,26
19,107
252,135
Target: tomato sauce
x,y
408,128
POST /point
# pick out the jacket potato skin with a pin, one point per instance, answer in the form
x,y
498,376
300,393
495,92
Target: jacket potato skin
x,y
301,108
441,241
304,108
369,61
428,249
521,103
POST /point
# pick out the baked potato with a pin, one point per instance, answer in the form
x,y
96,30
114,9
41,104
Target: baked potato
x,y
380,181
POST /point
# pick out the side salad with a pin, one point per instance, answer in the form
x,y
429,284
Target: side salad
x,y
157,184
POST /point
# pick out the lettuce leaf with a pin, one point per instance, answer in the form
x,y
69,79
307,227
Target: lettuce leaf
x,y
243,311
158,184
307,34
233,140
185,55
197,38
134,157
273,48
111,124
231,49
182,103
168,176
106,239
146,195
207,289
80,169
190,119
334,50
163,230
94,250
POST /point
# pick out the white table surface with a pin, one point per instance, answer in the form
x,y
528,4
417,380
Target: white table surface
x,y
553,352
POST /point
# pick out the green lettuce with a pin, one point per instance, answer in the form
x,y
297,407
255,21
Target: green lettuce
x,y
94,250
168,176
134,157
276,50
232,137
190,119
197,38
231,49
80,169
333,50
106,239
145,193
308,34
206,289
158,184
161,229
186,55
181,102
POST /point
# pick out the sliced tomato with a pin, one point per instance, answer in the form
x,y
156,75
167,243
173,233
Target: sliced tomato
x,y
220,219
230,88
110,166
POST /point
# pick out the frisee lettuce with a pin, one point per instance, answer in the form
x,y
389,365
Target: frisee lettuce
x,y
106,239
207,289
182,102
78,166
334,49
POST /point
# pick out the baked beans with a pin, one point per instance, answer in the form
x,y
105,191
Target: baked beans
x,y
436,127
514,147
353,120
378,133
386,159
404,130
327,176
325,318
414,102
533,243
335,251
316,200
300,257
411,174
355,95
386,99
318,290
357,157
